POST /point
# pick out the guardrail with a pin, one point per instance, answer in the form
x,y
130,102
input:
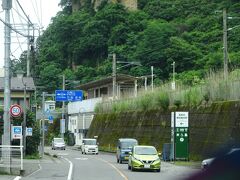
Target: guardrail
x,y
11,157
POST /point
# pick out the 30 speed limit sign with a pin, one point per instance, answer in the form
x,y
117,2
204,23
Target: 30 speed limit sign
x,y
15,110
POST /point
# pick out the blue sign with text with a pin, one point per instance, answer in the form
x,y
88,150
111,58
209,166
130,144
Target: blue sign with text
x,y
68,95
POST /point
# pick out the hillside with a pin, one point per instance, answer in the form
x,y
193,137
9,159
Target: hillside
x,y
188,32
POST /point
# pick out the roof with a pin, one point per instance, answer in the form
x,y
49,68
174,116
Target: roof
x,y
17,84
127,140
107,80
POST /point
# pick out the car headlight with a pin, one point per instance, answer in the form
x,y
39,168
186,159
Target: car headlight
x,y
135,159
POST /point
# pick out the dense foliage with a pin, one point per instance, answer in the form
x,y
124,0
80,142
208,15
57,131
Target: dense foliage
x,y
188,32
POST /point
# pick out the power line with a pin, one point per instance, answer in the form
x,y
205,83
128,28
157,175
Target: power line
x,y
16,33
21,17
24,12
15,30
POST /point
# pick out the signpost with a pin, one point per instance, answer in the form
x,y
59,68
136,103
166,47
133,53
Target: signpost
x,y
68,95
181,135
62,126
16,132
50,119
29,131
15,110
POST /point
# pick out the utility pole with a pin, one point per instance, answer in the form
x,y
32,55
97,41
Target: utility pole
x,y
43,123
24,120
173,83
225,48
28,51
63,107
114,71
7,5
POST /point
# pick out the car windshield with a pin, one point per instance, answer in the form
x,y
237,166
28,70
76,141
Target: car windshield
x,y
90,142
145,151
127,145
58,140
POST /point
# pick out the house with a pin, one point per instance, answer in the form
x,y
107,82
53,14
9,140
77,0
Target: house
x,y
17,90
126,86
81,113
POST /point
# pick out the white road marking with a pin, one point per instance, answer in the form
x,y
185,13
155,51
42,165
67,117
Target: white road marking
x,y
114,167
62,154
82,159
40,168
17,178
70,169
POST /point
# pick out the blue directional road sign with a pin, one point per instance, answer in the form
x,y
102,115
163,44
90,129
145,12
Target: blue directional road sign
x,y
68,95
50,118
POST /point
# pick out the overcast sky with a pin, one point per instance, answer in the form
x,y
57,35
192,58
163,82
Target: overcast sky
x,y
39,12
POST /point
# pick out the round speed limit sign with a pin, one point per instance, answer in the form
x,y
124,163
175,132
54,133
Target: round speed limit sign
x,y
15,110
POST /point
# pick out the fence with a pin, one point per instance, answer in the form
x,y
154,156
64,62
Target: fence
x,y
11,157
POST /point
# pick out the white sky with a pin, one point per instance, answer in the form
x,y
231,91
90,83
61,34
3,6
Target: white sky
x,y
39,12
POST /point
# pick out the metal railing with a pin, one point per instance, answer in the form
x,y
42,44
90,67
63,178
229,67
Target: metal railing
x,y
14,153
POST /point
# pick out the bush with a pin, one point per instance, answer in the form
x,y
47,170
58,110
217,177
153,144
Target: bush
x,y
162,100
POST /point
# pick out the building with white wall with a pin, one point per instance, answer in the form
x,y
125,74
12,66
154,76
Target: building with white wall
x,y
80,115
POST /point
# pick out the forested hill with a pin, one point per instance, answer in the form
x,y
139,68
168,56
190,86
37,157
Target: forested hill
x,y
188,32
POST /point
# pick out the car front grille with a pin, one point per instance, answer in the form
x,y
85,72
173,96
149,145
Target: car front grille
x,y
147,162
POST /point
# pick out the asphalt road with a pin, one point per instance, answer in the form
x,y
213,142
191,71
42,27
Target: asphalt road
x,y
72,165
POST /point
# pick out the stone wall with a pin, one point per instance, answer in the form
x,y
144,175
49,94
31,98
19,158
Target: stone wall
x,y
210,128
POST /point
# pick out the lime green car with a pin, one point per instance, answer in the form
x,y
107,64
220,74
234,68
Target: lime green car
x,y
144,157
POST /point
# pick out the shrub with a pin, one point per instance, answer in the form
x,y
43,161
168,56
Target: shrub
x,y
162,100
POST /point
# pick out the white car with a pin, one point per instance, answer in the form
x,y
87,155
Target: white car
x,y
58,143
89,146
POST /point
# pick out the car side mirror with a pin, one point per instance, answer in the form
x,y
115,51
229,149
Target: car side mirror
x,y
159,154
97,143
130,153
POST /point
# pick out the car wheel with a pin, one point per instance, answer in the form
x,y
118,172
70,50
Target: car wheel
x,y
129,167
120,161
132,168
158,170
117,160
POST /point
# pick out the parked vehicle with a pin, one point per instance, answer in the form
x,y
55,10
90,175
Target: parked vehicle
x,y
89,146
58,143
144,157
124,146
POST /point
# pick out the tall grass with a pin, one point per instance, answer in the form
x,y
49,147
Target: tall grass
x,y
213,88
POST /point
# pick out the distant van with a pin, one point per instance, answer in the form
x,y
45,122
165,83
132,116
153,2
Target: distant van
x,y
89,146
124,146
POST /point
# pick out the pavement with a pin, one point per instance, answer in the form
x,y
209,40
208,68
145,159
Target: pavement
x,y
30,166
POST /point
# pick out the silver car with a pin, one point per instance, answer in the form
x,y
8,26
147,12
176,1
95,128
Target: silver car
x,y
58,143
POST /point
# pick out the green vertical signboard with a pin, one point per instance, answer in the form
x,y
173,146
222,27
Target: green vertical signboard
x,y
181,136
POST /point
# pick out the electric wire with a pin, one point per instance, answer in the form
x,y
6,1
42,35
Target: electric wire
x,y
21,17
25,41
24,12
16,33
35,12
15,30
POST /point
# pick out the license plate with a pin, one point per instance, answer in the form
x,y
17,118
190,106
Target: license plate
x,y
147,166
126,158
